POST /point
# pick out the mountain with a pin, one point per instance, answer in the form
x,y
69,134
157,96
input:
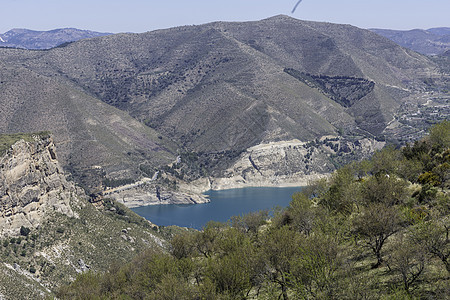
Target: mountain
x,y
31,39
201,98
440,30
432,41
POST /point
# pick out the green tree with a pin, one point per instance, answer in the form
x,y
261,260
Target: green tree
x,y
434,236
387,161
315,270
250,222
384,188
376,223
302,213
440,135
279,247
183,245
172,287
408,259
205,239
339,198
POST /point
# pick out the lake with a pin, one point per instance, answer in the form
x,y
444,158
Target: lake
x,y
224,204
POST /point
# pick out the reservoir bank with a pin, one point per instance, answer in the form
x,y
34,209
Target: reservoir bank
x,y
224,204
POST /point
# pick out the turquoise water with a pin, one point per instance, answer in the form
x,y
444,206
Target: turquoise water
x,y
224,204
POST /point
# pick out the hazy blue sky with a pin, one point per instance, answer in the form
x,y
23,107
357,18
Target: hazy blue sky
x,y
145,15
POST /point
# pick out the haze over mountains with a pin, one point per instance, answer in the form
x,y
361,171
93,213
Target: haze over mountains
x,y
32,39
433,41
129,102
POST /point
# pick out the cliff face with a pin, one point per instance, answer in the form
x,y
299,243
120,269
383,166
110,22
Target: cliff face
x,y
153,195
32,184
66,233
286,163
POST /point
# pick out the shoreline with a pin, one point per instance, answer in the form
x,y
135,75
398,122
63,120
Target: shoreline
x,y
282,185
203,185
194,192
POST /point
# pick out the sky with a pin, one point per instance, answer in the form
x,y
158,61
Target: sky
x,y
145,15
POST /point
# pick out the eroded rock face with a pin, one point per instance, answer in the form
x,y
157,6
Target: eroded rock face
x,y
151,195
32,184
289,163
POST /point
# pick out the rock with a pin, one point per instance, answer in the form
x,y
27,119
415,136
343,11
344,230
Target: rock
x,y
284,163
32,184
83,266
149,195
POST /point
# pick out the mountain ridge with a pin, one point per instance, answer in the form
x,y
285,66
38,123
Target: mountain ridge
x,y
433,41
214,90
41,40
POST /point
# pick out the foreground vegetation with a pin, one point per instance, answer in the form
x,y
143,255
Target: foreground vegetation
x,y
375,229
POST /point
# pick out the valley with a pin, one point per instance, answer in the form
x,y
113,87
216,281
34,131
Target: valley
x,y
124,107
94,127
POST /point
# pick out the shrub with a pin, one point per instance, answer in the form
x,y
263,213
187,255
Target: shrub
x,y
24,231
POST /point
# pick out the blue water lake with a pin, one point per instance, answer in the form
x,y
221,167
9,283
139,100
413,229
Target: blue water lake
x,y
224,204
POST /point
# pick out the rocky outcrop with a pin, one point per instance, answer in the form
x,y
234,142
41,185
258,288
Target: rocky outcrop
x,y
150,194
32,185
287,163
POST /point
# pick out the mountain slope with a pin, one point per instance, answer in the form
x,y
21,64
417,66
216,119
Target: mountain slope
x,y
432,41
49,232
87,132
31,39
215,89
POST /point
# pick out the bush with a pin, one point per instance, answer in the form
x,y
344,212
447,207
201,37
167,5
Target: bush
x,y
24,231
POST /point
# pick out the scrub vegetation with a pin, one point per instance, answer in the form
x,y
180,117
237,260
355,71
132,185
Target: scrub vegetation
x,y
376,229
7,140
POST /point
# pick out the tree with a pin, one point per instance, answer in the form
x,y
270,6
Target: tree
x,y
387,161
302,213
183,245
338,198
408,260
315,270
24,231
172,287
384,188
440,135
250,222
376,223
230,274
434,236
204,240
279,247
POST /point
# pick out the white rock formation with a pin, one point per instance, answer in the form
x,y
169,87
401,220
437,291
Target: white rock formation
x,y
32,184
